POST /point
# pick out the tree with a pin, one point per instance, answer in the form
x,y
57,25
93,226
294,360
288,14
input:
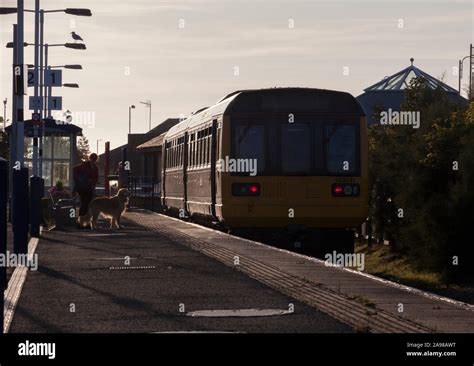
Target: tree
x,y
4,145
83,149
428,174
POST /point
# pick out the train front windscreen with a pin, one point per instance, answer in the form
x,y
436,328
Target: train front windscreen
x,y
300,149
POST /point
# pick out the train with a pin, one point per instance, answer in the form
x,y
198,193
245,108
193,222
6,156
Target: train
x,y
281,159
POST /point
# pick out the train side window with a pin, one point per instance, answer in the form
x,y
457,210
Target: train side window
x,y
206,149
203,150
203,146
196,152
190,150
173,154
199,153
190,154
170,156
178,155
208,145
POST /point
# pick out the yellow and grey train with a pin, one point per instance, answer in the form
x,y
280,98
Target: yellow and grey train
x,y
280,158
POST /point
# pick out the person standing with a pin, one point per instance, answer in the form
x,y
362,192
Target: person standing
x,y
86,176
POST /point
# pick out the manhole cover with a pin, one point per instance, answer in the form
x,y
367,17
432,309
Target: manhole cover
x,y
238,313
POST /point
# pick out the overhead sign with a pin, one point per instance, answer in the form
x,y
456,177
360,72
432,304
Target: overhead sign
x,y
53,77
31,77
55,103
35,103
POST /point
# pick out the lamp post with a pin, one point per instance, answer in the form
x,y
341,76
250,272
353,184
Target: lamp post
x,y
5,114
97,149
460,71
130,118
148,104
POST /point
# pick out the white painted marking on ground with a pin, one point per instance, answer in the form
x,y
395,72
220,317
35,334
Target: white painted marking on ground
x,y
240,313
15,285
123,258
111,234
198,332
132,267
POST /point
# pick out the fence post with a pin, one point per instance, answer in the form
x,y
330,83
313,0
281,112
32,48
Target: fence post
x,y
3,230
152,194
20,210
36,194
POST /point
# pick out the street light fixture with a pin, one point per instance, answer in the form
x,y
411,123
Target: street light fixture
x,y
11,44
71,67
5,11
69,85
70,11
130,118
460,71
76,46
97,150
148,104
78,12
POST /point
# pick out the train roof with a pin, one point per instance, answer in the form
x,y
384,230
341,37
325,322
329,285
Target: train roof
x,y
274,100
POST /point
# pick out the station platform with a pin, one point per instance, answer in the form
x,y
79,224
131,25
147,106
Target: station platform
x,y
182,277
138,280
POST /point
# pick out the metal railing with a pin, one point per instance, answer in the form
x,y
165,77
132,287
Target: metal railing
x,y
144,193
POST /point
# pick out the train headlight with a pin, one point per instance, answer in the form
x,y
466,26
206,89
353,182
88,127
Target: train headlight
x,y
348,190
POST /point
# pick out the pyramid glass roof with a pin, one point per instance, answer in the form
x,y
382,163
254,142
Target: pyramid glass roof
x,y
401,80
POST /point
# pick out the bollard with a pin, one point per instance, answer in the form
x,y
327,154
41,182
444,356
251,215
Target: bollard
x,y
3,230
20,210
36,195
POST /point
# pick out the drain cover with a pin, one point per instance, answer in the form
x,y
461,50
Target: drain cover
x,y
238,313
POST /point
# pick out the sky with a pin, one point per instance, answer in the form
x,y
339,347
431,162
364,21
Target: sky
x,y
185,55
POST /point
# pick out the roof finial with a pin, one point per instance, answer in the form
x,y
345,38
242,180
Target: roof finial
x,y
411,60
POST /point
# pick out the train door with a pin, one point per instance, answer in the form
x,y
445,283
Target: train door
x,y
185,172
163,175
213,166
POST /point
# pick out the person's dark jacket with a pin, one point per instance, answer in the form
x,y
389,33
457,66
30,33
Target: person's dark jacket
x,y
86,176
